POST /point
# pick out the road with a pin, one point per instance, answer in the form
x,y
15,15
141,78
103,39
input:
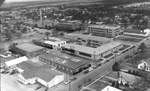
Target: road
x,y
96,73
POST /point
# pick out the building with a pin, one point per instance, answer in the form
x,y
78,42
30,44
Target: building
x,y
145,32
4,53
65,63
145,65
110,88
29,50
69,25
110,31
52,43
131,80
33,72
46,23
14,62
93,53
88,40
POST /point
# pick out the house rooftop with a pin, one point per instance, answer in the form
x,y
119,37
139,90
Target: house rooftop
x,y
65,60
93,51
131,79
28,65
29,47
148,61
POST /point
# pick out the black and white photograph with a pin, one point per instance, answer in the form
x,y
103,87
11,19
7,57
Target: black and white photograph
x,y
74,45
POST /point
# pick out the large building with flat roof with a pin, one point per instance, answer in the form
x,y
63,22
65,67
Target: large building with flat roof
x,y
69,25
65,63
88,40
29,50
93,53
105,30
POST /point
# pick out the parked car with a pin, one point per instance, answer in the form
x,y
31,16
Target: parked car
x,y
85,72
90,69
66,82
12,72
5,72
72,79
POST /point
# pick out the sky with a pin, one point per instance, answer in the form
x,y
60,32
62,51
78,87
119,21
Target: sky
x,y
18,0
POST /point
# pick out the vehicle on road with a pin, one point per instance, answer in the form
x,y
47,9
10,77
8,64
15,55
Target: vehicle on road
x,y
90,69
67,82
72,79
85,72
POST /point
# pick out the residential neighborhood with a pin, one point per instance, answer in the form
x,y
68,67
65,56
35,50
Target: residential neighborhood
x,y
79,45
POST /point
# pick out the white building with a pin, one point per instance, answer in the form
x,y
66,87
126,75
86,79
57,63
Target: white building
x,y
52,43
93,53
31,73
110,88
145,65
14,62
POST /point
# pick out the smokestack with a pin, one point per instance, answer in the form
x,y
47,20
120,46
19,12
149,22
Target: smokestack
x,y
1,2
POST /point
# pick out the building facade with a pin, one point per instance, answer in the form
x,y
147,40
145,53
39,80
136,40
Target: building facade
x,y
110,31
30,73
93,53
51,43
29,50
145,65
69,25
88,40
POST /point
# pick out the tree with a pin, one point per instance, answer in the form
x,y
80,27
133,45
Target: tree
x,y
24,30
8,34
115,67
18,35
47,34
142,47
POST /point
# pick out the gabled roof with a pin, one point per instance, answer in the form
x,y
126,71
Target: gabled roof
x,y
29,74
148,61
46,74
110,88
131,79
16,61
33,69
28,65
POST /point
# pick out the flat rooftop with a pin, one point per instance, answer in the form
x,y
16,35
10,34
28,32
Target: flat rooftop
x,y
93,51
134,31
90,37
29,47
65,60
105,26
